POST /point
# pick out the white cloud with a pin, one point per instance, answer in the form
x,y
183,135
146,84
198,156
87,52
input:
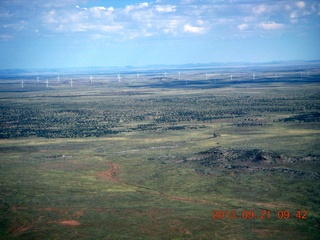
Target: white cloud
x,y
17,26
171,26
5,14
76,17
105,28
288,7
130,8
5,37
51,17
79,28
83,27
259,9
243,26
301,4
200,22
77,6
142,16
158,17
191,29
271,25
165,8
249,19
294,15
99,12
187,1
98,36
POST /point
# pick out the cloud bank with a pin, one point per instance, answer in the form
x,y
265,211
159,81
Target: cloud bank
x,y
155,19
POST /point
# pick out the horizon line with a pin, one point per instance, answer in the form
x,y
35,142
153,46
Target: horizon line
x,y
219,64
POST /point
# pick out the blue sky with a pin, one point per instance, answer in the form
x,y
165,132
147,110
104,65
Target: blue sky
x,y
86,33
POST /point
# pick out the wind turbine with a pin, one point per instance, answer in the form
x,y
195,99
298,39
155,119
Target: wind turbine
x,y
91,79
138,75
71,82
58,78
165,74
38,79
22,84
179,74
47,83
215,78
119,78
231,77
253,75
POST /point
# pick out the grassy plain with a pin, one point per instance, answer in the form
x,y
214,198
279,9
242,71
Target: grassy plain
x,y
152,158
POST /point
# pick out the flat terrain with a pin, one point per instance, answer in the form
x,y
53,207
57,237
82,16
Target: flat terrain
x,y
202,155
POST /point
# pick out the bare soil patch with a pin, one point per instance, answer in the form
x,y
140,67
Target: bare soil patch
x,y
70,222
22,228
47,209
111,174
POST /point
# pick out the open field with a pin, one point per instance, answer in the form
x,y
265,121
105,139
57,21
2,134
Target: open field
x,y
153,156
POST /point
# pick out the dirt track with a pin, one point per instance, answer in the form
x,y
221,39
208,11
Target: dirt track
x,y
111,174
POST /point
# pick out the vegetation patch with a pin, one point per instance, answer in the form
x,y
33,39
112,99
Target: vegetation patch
x,y
305,117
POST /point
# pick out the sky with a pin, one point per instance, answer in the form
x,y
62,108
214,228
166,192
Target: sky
x,y
101,33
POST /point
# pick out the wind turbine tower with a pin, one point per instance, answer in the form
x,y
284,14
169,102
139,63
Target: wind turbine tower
x,y
22,84
138,75
253,76
47,83
58,78
165,74
71,82
231,77
215,78
119,78
91,79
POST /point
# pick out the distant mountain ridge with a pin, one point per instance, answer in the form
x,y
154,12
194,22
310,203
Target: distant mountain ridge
x,y
115,69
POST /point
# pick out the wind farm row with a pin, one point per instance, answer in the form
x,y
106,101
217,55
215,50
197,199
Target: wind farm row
x,y
191,78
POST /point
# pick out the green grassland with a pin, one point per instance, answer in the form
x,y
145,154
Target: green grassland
x,y
153,162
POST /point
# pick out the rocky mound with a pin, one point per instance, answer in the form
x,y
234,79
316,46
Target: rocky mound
x,y
216,159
